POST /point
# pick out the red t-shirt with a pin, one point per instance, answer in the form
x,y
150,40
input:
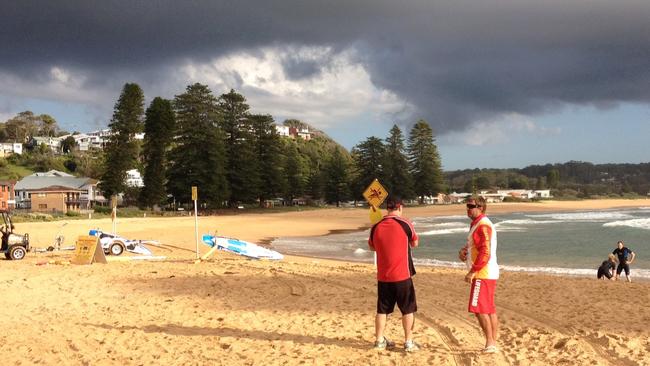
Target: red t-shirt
x,y
391,238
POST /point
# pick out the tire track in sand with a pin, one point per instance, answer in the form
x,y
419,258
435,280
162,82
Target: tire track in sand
x,y
450,343
548,323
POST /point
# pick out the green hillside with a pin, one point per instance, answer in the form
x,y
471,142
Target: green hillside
x,y
9,171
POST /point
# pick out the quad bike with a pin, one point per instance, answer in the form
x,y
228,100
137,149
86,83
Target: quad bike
x,y
14,246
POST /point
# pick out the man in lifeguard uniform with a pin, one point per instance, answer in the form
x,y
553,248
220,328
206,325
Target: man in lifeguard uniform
x,y
480,255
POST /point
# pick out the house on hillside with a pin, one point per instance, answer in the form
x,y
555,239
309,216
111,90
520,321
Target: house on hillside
x,y
85,142
55,191
134,179
282,130
53,143
10,148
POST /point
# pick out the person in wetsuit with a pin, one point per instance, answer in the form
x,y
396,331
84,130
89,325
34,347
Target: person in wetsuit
x,y
606,269
625,257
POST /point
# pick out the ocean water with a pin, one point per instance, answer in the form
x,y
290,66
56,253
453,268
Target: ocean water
x,y
572,243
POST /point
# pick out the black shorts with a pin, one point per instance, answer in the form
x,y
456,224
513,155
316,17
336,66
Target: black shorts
x,y
401,293
622,267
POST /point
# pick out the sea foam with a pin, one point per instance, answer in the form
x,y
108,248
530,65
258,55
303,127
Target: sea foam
x,y
635,223
585,216
443,231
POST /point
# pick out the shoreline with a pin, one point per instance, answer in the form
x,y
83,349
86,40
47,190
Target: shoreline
x,y
498,208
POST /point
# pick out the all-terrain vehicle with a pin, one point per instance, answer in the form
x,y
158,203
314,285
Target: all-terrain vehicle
x,y
14,246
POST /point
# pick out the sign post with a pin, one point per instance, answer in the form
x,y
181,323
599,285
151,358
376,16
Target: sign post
x,y
375,194
195,196
114,213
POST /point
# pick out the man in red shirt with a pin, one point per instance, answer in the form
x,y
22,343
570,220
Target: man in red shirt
x,y
392,239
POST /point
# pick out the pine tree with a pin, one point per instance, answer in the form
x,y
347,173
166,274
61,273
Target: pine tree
x,y
198,157
337,186
294,169
368,157
268,153
122,151
424,161
243,168
398,180
315,185
159,130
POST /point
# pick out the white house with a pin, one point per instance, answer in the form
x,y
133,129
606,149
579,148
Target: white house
x,y
282,130
458,197
525,193
133,178
543,193
10,148
304,133
54,143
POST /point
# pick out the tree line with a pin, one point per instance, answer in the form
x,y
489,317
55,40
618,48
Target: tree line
x,y
573,179
237,157
234,156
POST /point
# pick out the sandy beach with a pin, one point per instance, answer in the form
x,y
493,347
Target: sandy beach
x,y
298,311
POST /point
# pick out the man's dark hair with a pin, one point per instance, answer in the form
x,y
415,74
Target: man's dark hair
x,y
393,203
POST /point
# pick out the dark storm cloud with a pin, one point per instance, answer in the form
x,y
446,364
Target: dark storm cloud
x,y
455,61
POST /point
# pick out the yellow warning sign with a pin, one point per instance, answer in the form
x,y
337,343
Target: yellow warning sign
x,y
375,194
88,250
375,215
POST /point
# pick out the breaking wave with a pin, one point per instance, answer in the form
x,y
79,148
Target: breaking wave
x,y
585,216
635,223
444,231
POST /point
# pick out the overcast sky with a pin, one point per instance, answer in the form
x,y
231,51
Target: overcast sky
x,y
503,83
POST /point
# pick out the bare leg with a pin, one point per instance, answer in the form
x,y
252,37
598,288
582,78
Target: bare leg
x,y
486,325
380,325
407,324
494,321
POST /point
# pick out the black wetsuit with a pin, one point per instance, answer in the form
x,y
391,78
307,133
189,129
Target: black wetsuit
x,y
622,254
604,269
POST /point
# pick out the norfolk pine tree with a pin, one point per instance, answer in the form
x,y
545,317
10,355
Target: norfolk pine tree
x,y
397,180
158,133
294,170
424,161
368,157
198,157
268,152
242,172
337,184
122,150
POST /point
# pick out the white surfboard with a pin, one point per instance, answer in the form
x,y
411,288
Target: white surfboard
x,y
241,247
